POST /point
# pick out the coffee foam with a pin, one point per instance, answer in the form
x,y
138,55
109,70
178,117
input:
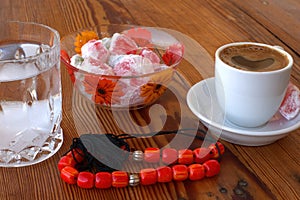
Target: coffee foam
x,y
253,58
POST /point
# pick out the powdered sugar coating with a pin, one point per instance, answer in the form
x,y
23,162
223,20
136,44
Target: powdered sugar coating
x,y
121,44
96,51
111,56
153,57
132,65
290,106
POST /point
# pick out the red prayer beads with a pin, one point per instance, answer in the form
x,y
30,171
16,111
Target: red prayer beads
x,y
201,155
185,164
152,155
85,180
103,180
77,154
164,174
119,179
180,172
215,149
212,168
148,176
185,156
66,161
169,156
196,172
69,175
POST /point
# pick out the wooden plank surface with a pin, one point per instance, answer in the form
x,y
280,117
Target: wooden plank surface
x,y
280,18
272,171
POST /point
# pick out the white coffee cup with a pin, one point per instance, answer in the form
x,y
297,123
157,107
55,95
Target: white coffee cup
x,y
250,98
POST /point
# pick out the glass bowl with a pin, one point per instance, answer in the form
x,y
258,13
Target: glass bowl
x,y
132,71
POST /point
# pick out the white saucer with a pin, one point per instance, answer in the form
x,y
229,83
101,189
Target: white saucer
x,y
201,99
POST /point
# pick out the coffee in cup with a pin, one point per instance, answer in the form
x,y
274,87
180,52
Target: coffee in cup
x,y
253,57
251,80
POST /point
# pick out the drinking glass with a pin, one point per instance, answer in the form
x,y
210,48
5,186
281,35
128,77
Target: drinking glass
x,y
30,93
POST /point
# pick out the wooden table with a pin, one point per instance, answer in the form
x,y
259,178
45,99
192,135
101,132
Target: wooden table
x,y
271,172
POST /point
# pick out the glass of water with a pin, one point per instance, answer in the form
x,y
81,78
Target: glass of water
x,y
30,93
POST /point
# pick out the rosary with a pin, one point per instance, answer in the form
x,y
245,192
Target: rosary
x,y
89,161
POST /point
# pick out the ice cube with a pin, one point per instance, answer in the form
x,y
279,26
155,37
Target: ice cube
x,y
19,124
1,54
17,71
30,153
7,52
6,156
33,49
45,47
13,120
20,53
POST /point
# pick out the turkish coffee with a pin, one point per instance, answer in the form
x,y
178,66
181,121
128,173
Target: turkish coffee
x,y
255,58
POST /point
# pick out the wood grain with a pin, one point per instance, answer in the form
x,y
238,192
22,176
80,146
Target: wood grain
x,y
271,172
266,13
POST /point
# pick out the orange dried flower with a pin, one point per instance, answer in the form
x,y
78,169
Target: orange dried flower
x,y
152,91
103,91
156,86
83,38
